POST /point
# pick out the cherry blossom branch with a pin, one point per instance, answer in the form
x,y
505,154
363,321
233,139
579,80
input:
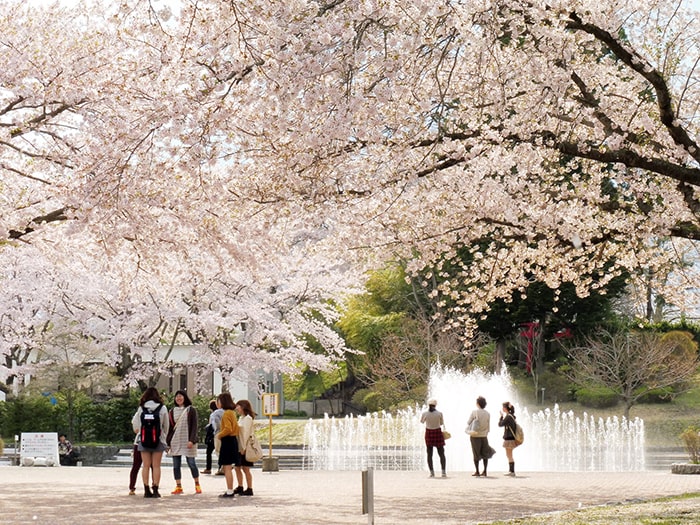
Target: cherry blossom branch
x,y
642,67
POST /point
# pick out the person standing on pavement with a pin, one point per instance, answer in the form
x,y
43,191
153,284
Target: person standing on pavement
x,y
182,440
246,414
152,456
228,435
507,421
216,422
478,436
135,466
209,436
433,436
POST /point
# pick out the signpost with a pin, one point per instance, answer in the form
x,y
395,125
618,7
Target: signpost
x,y
271,407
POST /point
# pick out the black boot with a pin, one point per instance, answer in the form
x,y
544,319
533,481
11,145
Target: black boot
x,y
156,494
147,492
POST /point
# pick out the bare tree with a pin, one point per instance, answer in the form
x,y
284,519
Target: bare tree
x,y
405,357
634,363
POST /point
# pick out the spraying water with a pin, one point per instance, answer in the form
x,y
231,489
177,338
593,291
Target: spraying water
x,y
554,440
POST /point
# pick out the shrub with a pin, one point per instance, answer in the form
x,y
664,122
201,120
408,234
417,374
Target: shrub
x,y
110,421
358,398
30,413
597,397
691,440
372,401
295,413
658,395
557,386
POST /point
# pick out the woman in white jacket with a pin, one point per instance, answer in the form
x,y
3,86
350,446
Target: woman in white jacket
x,y
245,429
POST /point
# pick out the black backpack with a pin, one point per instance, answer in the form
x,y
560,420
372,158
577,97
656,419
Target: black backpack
x,y
209,436
150,427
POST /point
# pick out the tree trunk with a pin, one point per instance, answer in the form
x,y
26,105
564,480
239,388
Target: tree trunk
x,y
500,354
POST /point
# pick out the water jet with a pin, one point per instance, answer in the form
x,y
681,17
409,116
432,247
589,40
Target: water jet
x,y
555,440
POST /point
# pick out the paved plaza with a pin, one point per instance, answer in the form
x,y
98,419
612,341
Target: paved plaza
x,y
99,495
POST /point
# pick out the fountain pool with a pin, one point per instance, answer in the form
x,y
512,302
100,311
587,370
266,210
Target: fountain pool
x,y
555,440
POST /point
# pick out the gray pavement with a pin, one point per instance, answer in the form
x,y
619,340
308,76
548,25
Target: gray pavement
x,y
99,495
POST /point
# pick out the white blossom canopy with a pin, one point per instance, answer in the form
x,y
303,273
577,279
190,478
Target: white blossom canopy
x,y
223,149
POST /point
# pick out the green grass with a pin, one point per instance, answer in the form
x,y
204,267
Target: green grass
x,y
287,433
680,510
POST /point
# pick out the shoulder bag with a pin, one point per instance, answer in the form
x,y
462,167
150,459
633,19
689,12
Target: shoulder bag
x,y
253,449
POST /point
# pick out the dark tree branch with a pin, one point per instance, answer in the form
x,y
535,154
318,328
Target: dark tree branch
x,y
54,216
638,64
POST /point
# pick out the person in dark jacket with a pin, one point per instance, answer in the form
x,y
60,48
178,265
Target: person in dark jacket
x,y
507,421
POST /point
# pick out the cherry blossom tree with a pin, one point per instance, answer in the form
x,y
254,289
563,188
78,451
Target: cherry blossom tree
x,y
204,153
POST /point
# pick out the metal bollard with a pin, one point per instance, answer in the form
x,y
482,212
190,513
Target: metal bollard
x,y
368,495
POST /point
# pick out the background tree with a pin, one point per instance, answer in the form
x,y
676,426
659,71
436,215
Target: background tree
x,y
68,365
400,338
634,363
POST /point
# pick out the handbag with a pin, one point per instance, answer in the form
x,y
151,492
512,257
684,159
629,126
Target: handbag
x,y
253,449
446,434
473,428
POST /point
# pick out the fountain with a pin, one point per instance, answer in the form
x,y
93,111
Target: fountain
x,y
554,440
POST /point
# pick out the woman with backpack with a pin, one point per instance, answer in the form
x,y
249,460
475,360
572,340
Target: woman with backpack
x,y
182,440
507,420
150,422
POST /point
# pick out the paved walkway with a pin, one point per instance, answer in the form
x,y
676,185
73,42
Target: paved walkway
x,y
98,495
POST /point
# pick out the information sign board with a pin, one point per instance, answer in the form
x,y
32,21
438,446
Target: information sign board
x,y
271,404
39,449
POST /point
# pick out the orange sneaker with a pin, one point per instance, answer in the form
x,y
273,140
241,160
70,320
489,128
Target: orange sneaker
x,y
197,489
178,490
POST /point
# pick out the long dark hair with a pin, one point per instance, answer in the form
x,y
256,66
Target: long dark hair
x,y
247,407
510,408
187,402
150,394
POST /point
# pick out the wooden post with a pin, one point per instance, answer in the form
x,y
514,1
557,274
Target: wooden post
x,y
270,438
270,408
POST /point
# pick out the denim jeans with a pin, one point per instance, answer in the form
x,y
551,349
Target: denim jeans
x,y
191,462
